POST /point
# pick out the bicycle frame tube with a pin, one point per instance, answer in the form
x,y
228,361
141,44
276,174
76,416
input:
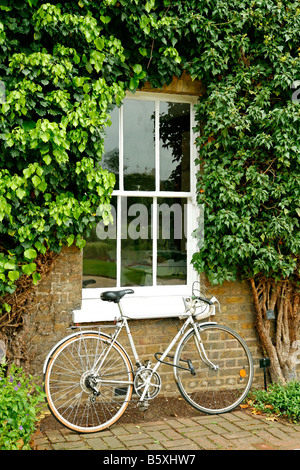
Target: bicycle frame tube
x,y
124,323
158,363
112,341
173,342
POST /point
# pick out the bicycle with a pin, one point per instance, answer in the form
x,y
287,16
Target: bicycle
x,y
89,377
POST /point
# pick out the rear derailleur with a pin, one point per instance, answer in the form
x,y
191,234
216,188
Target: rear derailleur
x,y
90,383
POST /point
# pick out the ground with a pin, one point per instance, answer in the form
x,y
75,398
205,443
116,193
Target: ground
x,y
160,408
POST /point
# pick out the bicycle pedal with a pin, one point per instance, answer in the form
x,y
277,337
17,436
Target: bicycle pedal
x,y
143,406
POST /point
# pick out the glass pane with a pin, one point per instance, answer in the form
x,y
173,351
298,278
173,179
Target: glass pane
x,y
174,132
136,243
171,243
100,252
139,145
110,159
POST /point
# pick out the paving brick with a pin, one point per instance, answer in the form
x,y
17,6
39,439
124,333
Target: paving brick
x,y
133,428
291,445
215,428
73,437
233,416
196,433
55,436
97,444
77,445
171,434
118,430
138,442
236,435
184,447
155,446
173,423
204,443
263,446
241,415
159,426
277,433
264,434
176,444
129,437
157,435
220,441
251,426
43,447
113,443
137,448
184,422
206,420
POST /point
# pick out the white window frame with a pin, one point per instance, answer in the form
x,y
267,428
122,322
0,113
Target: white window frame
x,y
166,297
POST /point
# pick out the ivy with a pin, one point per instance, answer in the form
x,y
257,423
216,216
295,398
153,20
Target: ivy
x,y
66,65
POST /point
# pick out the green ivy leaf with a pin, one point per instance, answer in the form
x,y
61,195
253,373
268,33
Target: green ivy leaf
x,y
29,268
20,193
13,275
105,19
134,83
137,68
36,277
30,253
70,240
36,180
99,43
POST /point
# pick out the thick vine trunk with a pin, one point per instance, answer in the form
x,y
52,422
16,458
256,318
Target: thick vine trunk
x,y
279,337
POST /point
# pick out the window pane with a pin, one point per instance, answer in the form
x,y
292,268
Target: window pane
x,y
174,129
110,159
171,243
139,145
99,253
136,243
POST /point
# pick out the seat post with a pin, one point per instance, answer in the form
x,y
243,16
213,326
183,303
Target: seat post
x,y
120,308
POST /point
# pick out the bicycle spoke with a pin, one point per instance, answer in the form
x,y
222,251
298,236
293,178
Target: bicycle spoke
x,y
223,370
67,384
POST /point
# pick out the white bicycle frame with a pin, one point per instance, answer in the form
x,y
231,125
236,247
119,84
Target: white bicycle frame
x,y
124,323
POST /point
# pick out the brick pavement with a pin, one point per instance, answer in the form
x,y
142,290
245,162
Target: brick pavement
x,y
238,430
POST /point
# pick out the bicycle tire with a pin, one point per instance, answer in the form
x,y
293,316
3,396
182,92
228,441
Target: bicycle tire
x,y
68,394
214,391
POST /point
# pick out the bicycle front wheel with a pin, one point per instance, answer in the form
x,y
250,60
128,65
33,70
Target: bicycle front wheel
x,y
79,398
222,368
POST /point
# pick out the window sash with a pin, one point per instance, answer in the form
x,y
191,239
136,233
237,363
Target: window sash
x,y
190,196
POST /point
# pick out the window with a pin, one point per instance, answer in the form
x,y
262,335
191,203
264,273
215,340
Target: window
x,y
150,148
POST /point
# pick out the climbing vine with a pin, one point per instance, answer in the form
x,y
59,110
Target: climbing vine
x,y
64,66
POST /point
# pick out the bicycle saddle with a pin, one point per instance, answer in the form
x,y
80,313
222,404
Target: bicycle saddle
x,y
115,296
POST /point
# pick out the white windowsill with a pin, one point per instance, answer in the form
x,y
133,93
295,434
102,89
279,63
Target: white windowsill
x,y
143,304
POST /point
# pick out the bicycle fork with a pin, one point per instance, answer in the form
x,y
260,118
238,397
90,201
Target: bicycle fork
x,y
201,350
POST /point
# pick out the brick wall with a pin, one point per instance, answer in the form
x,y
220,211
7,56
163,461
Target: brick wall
x,y
183,85
50,311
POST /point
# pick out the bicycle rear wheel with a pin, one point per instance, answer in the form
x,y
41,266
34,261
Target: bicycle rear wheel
x,y
77,397
220,390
